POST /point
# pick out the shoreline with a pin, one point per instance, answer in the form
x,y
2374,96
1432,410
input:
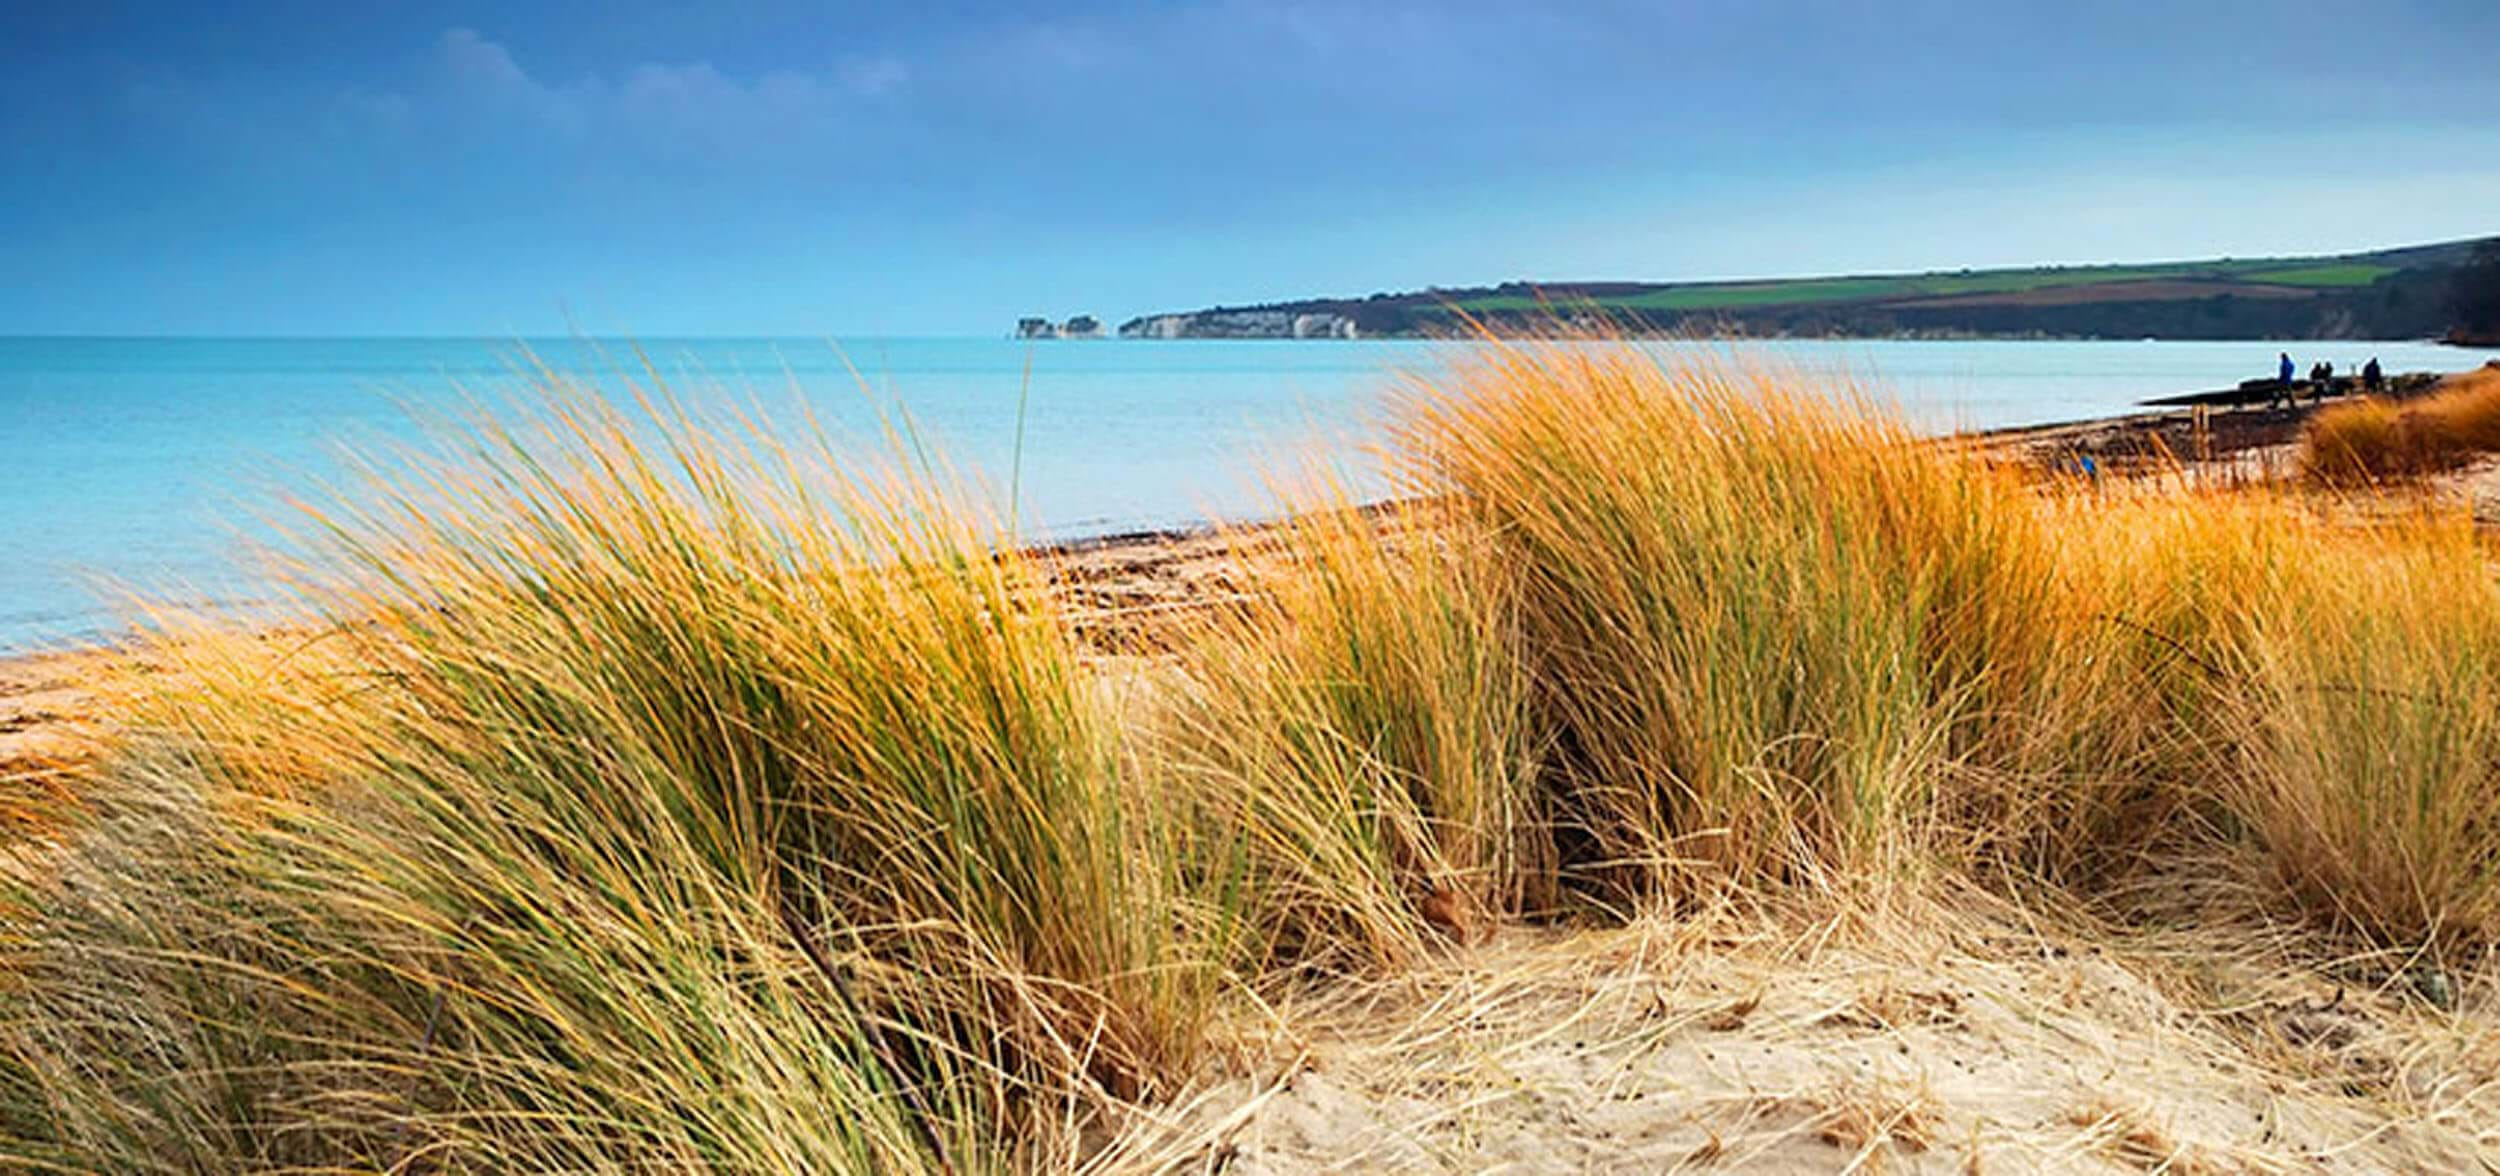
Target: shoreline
x,y
1111,586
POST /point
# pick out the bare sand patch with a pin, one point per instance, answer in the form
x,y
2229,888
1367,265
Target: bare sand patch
x,y
1954,1037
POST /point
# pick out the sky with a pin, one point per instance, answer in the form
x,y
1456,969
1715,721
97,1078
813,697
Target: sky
x,y
656,167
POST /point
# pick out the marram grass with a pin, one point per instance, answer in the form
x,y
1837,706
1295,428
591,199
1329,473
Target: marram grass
x,y
1768,629
1358,736
693,800
2372,439
2364,741
634,792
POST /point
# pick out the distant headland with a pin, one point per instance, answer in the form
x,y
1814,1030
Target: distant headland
x,y
2447,290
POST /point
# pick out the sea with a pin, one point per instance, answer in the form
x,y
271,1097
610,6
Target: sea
x,y
148,467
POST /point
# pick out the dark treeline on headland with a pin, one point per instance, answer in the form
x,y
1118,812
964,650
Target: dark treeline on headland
x,y
2446,289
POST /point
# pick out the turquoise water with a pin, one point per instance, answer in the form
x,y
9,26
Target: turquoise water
x,y
144,461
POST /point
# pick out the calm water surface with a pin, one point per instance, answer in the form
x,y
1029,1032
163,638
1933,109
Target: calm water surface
x,y
142,461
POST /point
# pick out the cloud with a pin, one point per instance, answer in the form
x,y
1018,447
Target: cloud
x,y
480,76
476,61
874,77
474,81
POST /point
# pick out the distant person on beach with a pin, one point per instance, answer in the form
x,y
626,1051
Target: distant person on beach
x,y
2283,380
2373,377
2284,369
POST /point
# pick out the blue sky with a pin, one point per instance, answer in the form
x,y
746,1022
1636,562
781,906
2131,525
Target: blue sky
x,y
765,168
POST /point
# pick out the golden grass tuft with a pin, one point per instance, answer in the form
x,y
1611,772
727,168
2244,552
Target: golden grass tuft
x,y
2372,439
1770,629
1358,735
2367,757
696,799
2314,690
1776,638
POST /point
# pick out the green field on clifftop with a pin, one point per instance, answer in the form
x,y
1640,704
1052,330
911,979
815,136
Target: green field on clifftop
x,y
1733,295
2386,293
